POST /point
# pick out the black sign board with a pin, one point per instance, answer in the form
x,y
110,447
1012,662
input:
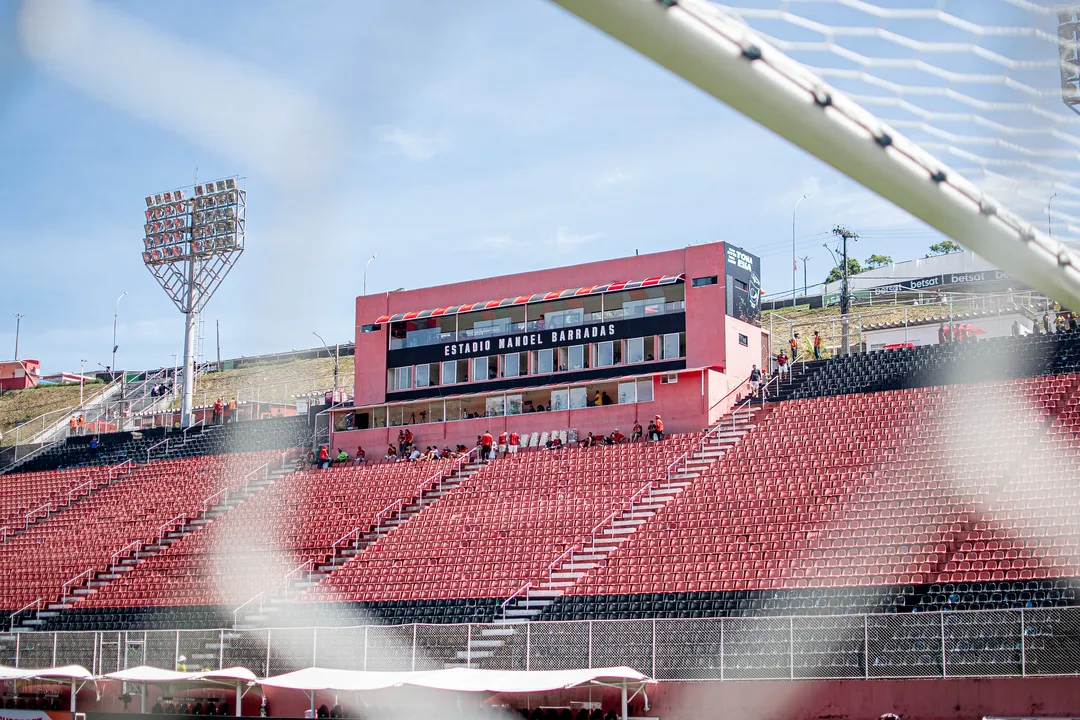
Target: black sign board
x,y
933,281
538,340
743,285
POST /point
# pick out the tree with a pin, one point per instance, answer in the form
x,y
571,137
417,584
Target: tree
x,y
944,248
876,261
853,268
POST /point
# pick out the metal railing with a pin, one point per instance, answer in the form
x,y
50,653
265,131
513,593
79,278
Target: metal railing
x,y
978,643
65,590
36,604
155,446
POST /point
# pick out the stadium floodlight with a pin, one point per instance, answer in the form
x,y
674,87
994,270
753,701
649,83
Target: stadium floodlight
x,y
1069,36
1006,125
192,240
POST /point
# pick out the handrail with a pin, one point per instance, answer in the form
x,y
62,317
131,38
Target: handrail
x,y
261,597
553,563
129,462
89,573
121,551
308,565
27,516
523,589
207,504
150,449
265,467
335,545
739,386
24,608
168,526
386,511
76,489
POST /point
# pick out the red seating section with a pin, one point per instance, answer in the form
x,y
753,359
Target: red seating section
x,y
22,493
86,535
250,549
900,487
503,526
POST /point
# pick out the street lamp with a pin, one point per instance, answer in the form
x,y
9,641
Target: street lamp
x,y
115,314
365,272
1049,222
333,355
82,377
794,258
18,325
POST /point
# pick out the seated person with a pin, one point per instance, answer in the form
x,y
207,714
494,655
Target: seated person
x,y
615,437
342,456
589,441
391,453
361,456
414,454
554,443
636,434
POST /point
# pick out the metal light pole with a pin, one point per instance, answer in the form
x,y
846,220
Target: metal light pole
x,y
82,365
804,259
333,355
115,314
368,263
794,260
1049,221
18,325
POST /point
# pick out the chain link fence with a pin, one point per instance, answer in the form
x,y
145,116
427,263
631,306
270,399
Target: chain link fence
x,y
992,643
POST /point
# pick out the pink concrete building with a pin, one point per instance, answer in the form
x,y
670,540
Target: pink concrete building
x,y
673,334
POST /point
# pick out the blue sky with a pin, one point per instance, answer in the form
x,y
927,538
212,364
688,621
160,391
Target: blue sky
x,y
454,140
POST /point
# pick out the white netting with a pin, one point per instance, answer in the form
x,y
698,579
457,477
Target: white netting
x,y
976,82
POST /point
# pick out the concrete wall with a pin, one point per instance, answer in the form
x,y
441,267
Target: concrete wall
x,y
996,326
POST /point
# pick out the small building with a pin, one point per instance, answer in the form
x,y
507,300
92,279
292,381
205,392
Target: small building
x,y
19,374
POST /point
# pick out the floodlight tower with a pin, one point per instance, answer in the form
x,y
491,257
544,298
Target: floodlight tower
x,y
1069,41
192,242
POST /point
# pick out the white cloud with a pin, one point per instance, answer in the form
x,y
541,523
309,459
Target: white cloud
x,y
414,145
616,176
564,239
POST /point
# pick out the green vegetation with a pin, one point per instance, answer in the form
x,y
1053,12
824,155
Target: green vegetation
x,y
19,406
944,248
273,382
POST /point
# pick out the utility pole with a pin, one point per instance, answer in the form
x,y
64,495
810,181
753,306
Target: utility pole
x,y
333,355
804,259
794,264
218,324
845,300
18,325
82,364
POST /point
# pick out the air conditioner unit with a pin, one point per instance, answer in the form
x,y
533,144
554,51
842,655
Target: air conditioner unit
x,y
669,379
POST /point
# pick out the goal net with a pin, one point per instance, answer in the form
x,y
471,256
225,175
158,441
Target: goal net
x,y
963,113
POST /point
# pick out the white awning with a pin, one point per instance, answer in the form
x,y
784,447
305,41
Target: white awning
x,y
458,679
152,675
66,672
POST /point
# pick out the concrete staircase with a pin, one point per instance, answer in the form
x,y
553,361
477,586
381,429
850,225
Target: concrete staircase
x,y
271,607
130,557
569,568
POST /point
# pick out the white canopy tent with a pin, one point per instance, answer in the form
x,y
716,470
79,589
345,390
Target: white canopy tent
x,y
311,680
146,675
76,675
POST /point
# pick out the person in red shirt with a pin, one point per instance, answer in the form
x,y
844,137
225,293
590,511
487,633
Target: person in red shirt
x,y
502,442
324,457
486,441
817,346
514,441
659,427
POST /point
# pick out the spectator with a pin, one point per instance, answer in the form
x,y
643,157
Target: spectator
x,y
232,411
606,398
793,343
1016,328
782,363
755,381
342,456
503,439
1059,323
217,412
540,408
391,453
1036,328
401,443
181,664
615,437
1046,323
652,430
598,400
360,455
414,454
1074,323
513,442
659,427
94,443
589,441
817,345
941,333
486,441
635,434
555,442
409,437
324,457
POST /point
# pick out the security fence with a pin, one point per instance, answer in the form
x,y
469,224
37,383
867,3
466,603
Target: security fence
x,y
1030,642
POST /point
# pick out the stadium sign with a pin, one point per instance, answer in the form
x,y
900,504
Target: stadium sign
x,y
927,283
538,340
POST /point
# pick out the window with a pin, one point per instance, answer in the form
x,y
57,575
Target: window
x,y
400,378
422,376
579,398
490,323
703,281
635,350
436,412
513,364
495,406
369,328
673,346
513,404
743,340
636,391
485,368
560,399
608,353
577,357
545,362
741,285
454,371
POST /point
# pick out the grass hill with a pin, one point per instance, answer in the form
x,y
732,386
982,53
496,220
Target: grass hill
x,y
19,406
273,382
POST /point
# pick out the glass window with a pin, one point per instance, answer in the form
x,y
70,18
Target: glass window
x,y
513,404
645,390
605,354
490,323
454,410
378,417
635,350
401,378
642,302
545,362
579,398
436,411
627,392
449,372
576,358
495,406
703,281
560,399
513,364
485,368
422,375
744,340
565,313
426,331
397,415
671,346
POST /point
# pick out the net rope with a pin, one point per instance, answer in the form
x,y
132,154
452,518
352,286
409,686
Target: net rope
x,y
978,84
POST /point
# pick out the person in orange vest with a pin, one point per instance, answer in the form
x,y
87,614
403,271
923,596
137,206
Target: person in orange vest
x,y
817,346
71,425
232,410
794,345
659,427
